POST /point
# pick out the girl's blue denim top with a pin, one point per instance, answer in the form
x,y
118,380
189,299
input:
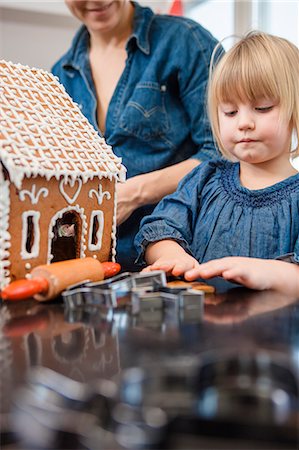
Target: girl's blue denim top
x,y
157,115
212,216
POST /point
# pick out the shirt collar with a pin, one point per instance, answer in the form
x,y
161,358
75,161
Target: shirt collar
x,y
78,51
141,27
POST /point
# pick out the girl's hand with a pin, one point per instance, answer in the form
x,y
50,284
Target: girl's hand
x,y
174,266
253,273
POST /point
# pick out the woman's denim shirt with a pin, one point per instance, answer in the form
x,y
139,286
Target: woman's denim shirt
x,y
156,116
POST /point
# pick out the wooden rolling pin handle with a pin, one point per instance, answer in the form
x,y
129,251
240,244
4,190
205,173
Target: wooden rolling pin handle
x,y
110,269
22,289
48,281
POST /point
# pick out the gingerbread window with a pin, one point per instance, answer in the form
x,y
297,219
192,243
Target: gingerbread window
x,y
30,234
96,230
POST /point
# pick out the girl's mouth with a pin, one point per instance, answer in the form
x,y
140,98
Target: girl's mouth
x,y
246,141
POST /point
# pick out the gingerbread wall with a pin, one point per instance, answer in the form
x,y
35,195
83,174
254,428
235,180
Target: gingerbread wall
x,y
49,199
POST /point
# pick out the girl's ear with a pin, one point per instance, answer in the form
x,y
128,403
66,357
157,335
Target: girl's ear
x,y
294,140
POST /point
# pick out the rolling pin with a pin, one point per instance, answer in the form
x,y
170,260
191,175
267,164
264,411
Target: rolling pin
x,y
49,280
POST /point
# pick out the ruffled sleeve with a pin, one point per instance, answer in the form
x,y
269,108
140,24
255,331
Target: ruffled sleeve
x,y
175,216
292,257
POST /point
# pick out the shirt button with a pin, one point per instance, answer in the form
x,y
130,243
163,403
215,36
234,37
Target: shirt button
x,y
163,88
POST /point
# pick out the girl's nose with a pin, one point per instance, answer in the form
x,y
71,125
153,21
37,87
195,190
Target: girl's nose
x,y
246,121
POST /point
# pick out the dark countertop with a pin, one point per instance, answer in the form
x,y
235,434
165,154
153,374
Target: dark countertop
x,y
240,334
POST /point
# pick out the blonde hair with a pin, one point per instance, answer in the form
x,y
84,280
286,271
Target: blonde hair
x,y
259,66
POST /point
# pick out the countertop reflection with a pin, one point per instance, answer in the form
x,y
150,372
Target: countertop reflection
x,y
233,319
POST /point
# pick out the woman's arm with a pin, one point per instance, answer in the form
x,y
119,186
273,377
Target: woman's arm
x,y
150,188
253,273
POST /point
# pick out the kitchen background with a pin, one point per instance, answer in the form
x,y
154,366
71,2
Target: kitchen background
x,y
38,32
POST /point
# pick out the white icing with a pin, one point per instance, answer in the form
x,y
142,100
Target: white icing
x,y
113,231
100,194
4,234
99,235
34,104
71,182
59,215
27,266
33,195
36,234
100,365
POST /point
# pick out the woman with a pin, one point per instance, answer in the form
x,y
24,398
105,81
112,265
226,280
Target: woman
x,y
140,79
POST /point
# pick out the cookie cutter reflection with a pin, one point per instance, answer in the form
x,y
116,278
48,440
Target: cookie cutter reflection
x,y
254,394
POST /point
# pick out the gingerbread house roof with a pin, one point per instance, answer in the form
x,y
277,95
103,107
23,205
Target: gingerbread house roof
x,y
43,132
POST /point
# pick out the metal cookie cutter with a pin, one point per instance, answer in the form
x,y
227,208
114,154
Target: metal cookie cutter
x,y
145,301
186,306
93,302
90,300
118,286
121,286
176,304
85,303
149,280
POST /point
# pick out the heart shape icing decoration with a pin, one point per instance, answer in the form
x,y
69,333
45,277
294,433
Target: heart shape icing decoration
x,y
71,183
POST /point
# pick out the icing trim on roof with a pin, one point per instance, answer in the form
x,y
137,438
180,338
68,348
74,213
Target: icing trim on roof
x,y
43,132
4,234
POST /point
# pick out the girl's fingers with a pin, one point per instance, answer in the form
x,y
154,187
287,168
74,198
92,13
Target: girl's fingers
x,y
211,269
167,266
199,272
178,270
173,267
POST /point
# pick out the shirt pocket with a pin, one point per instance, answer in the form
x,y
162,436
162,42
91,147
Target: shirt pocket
x,y
145,115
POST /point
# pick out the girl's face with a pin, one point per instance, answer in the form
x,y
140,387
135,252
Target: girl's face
x,y
254,133
99,15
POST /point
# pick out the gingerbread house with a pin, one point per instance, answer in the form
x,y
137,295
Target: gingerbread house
x,y
57,176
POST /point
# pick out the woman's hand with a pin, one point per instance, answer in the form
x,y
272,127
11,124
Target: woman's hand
x,y
253,273
128,199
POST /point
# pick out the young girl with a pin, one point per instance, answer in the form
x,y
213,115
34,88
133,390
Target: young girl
x,y
248,204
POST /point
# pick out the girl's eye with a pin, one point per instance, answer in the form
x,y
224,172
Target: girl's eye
x,y
230,113
264,108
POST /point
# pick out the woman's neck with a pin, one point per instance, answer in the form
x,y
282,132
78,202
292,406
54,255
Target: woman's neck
x,y
116,37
